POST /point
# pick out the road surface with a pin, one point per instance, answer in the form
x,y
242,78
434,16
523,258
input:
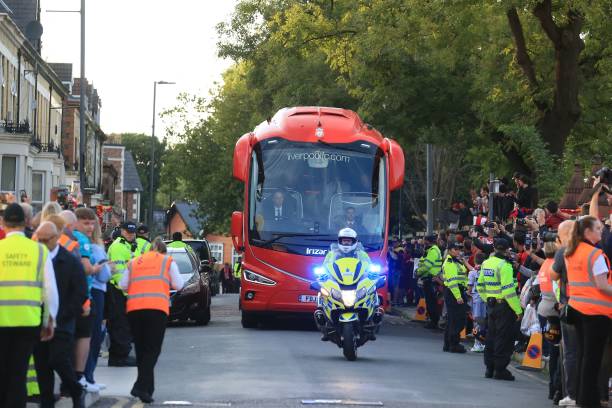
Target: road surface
x,y
223,364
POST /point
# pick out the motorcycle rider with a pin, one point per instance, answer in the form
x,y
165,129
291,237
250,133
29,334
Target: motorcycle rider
x,y
347,247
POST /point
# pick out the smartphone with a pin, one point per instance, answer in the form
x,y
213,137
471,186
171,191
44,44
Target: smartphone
x,y
102,262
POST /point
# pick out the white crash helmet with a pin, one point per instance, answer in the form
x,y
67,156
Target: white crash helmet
x,y
347,233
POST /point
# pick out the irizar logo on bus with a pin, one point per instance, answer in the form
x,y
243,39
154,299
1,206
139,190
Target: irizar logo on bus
x,y
316,251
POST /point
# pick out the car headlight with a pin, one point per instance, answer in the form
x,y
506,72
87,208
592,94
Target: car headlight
x,y
348,298
253,277
190,289
361,293
336,294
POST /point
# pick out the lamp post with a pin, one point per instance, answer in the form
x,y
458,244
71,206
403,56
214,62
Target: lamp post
x,y
493,190
152,165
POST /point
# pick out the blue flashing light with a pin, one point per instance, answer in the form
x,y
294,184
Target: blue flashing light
x,y
375,268
319,271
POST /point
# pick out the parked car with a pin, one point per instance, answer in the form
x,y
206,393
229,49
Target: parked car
x,y
202,250
193,301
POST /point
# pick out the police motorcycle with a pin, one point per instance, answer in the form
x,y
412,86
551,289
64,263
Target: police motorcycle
x,y
348,307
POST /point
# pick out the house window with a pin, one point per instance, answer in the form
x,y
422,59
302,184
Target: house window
x,y
38,186
235,256
216,251
8,173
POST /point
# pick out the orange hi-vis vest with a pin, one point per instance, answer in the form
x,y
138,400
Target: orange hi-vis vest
x,y
546,286
585,296
149,283
71,245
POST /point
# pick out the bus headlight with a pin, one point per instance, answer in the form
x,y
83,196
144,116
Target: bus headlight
x,y
253,277
348,298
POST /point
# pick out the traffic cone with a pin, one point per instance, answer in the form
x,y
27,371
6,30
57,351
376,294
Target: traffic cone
x,y
532,360
421,311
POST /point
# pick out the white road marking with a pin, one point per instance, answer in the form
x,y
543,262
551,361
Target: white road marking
x,y
121,402
343,402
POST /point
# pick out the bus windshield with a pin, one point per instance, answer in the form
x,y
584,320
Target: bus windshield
x,y
302,194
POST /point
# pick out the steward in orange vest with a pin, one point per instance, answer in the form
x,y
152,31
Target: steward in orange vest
x,y
590,305
71,245
147,281
585,296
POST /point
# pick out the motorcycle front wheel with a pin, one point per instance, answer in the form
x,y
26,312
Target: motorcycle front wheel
x,y
349,342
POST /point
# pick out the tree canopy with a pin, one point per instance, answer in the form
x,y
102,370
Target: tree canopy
x,y
495,86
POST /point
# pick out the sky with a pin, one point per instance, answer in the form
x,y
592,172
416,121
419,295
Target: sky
x,y
132,43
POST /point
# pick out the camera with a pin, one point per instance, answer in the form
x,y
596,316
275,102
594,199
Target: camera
x,y
605,179
521,221
550,237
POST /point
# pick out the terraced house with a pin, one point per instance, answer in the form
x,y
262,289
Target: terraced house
x,y
31,98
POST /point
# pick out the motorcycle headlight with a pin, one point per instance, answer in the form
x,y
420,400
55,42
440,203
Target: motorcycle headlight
x,y
336,294
324,292
361,293
348,298
257,278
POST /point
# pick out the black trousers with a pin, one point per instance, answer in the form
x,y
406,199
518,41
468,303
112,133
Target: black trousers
x,y
456,318
592,336
554,369
117,324
430,300
501,330
16,346
56,355
148,328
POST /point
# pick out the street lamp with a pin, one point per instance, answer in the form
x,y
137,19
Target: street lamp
x,y
150,214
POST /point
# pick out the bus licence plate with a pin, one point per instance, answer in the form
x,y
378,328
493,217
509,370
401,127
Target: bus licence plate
x,y
307,299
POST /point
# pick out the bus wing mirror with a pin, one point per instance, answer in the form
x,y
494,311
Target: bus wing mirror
x,y
381,282
241,158
316,286
396,165
236,230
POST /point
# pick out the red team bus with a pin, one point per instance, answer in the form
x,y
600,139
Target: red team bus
x,y
308,172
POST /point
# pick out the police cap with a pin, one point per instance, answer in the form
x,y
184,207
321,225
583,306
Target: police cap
x,y
129,226
455,245
501,243
143,229
431,238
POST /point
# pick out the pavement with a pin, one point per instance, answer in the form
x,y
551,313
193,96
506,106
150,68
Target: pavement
x,y
286,365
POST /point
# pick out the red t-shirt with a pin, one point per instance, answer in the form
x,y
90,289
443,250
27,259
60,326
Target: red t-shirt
x,y
553,221
2,234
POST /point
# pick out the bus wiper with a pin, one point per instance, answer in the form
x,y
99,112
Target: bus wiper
x,y
288,234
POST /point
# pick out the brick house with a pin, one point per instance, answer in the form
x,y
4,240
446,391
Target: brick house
x,y
95,137
120,171
182,217
579,190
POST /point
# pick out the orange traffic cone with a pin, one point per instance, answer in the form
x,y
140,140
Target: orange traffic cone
x,y
421,311
532,361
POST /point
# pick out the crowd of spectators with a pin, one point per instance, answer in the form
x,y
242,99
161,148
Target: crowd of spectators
x,y
580,370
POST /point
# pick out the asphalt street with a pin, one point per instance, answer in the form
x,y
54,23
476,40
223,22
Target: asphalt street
x,y
283,365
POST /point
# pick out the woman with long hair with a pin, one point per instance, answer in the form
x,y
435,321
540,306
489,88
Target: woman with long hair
x,y
98,292
590,302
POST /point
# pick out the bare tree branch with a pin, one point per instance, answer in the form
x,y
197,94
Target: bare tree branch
x,y
543,11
